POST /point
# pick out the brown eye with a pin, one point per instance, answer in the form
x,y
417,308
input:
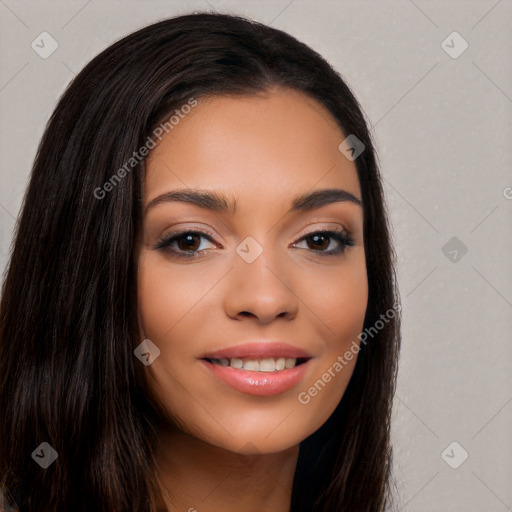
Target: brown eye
x,y
320,242
184,244
188,242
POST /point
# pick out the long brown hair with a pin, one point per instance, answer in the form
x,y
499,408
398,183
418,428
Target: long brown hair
x,y
68,308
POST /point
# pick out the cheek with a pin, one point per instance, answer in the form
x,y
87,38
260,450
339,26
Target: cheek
x,y
340,305
168,293
170,315
163,303
339,301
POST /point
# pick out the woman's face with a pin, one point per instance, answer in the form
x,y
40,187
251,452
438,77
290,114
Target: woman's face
x,y
258,283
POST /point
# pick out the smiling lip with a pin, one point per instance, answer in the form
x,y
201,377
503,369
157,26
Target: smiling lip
x,y
254,382
258,350
258,383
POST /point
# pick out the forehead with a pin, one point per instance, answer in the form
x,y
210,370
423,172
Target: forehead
x,y
278,142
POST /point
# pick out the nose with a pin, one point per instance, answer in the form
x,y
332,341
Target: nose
x,y
260,290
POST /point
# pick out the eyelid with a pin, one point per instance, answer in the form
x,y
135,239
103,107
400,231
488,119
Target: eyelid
x,y
338,234
341,236
163,239
313,227
213,236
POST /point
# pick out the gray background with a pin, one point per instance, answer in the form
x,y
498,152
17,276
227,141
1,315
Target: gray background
x,y
443,131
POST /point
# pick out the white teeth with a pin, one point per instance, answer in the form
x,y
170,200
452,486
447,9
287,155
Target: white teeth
x,y
258,365
267,365
252,365
236,363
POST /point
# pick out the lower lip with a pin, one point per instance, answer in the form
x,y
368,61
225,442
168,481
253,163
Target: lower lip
x,y
259,383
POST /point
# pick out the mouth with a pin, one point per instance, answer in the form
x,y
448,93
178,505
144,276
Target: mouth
x,y
270,364
261,369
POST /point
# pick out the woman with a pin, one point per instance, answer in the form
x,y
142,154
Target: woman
x,y
200,310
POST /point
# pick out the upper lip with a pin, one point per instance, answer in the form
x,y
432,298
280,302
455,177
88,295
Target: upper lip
x,y
258,350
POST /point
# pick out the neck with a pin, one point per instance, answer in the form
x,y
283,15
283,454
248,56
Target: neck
x,y
198,477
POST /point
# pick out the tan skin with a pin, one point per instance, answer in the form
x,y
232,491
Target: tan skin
x,y
222,449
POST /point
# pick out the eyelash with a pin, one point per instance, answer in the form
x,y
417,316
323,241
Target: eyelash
x,y
337,234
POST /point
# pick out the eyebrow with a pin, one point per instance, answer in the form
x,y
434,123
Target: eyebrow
x,y
218,202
